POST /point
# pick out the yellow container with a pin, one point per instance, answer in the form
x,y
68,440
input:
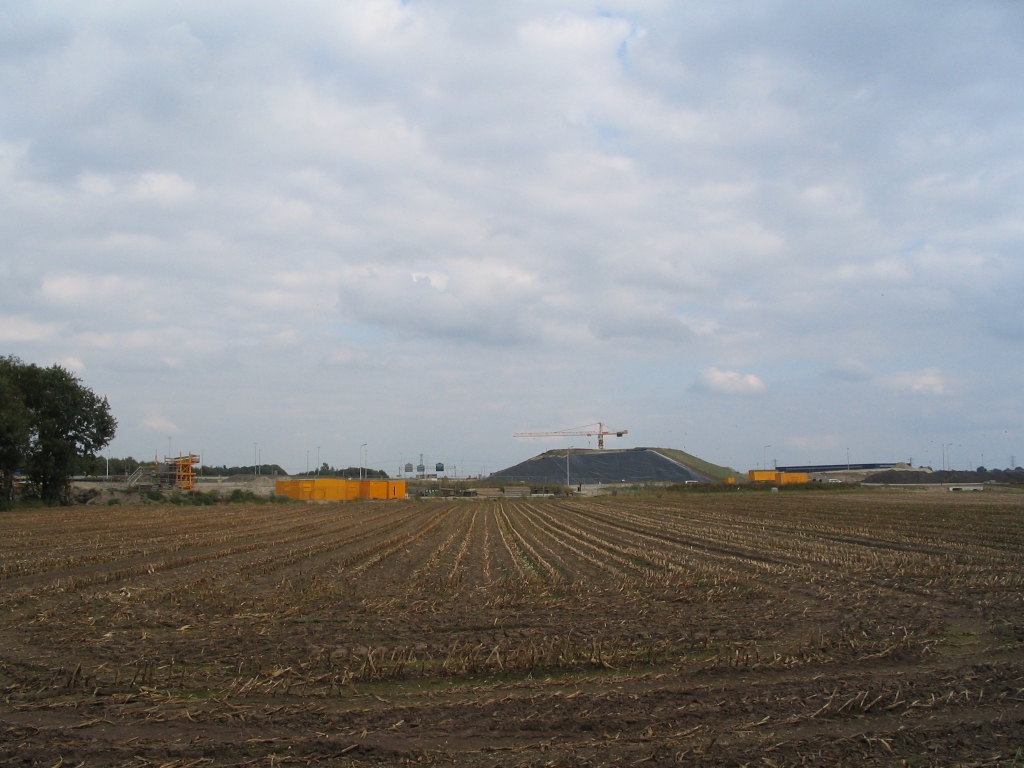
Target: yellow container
x,y
793,478
337,489
373,489
763,475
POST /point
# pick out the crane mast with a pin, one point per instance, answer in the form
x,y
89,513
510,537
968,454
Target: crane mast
x,y
584,431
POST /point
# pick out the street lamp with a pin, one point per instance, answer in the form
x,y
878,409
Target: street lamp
x,y
318,461
764,457
361,460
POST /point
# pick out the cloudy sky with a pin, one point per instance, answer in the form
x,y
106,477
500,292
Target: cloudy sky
x,y
424,226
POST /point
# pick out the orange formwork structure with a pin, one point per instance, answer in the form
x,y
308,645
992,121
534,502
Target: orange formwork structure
x,y
337,489
179,470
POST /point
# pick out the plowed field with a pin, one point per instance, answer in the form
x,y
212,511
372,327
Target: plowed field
x,y
715,629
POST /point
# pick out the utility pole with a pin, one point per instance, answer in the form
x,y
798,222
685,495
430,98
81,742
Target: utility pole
x,y
318,461
764,456
361,460
847,459
567,467
254,458
307,462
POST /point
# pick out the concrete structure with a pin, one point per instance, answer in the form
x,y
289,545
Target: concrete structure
x,y
174,472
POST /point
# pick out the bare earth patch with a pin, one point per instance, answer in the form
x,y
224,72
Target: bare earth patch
x,y
865,628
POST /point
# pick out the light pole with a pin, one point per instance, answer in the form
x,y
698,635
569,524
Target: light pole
x,y
567,468
318,461
254,458
361,460
168,447
307,462
949,460
764,457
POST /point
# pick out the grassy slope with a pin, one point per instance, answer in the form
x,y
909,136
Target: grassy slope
x,y
704,467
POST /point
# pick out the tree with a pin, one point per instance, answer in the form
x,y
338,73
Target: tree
x,y
15,430
67,421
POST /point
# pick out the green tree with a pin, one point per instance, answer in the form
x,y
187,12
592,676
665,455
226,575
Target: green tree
x,y
67,422
15,429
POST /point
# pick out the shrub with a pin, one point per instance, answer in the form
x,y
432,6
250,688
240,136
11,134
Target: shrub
x,y
238,495
205,499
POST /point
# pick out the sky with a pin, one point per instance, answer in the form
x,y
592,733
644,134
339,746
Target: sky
x,y
756,231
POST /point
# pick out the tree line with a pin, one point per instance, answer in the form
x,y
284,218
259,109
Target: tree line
x,y
49,423
350,473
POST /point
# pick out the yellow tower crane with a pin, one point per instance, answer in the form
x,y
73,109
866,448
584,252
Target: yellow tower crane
x,y
585,431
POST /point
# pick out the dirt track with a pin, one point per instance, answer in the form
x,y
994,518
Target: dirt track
x,y
723,629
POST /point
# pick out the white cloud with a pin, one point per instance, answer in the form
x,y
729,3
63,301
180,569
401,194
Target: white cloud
x,y
73,364
22,329
161,424
166,188
730,382
930,381
479,301
90,289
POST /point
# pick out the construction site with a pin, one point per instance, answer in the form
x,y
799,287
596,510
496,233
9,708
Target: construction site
x,y
573,471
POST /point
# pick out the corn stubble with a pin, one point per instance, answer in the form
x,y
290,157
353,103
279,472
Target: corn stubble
x,y
721,629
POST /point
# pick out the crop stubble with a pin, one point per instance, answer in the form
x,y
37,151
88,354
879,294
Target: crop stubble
x,y
808,628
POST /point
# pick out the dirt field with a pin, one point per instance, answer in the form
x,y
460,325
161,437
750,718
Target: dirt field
x,y
860,628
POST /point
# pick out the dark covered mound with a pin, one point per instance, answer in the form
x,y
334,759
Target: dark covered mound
x,y
909,476
638,465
